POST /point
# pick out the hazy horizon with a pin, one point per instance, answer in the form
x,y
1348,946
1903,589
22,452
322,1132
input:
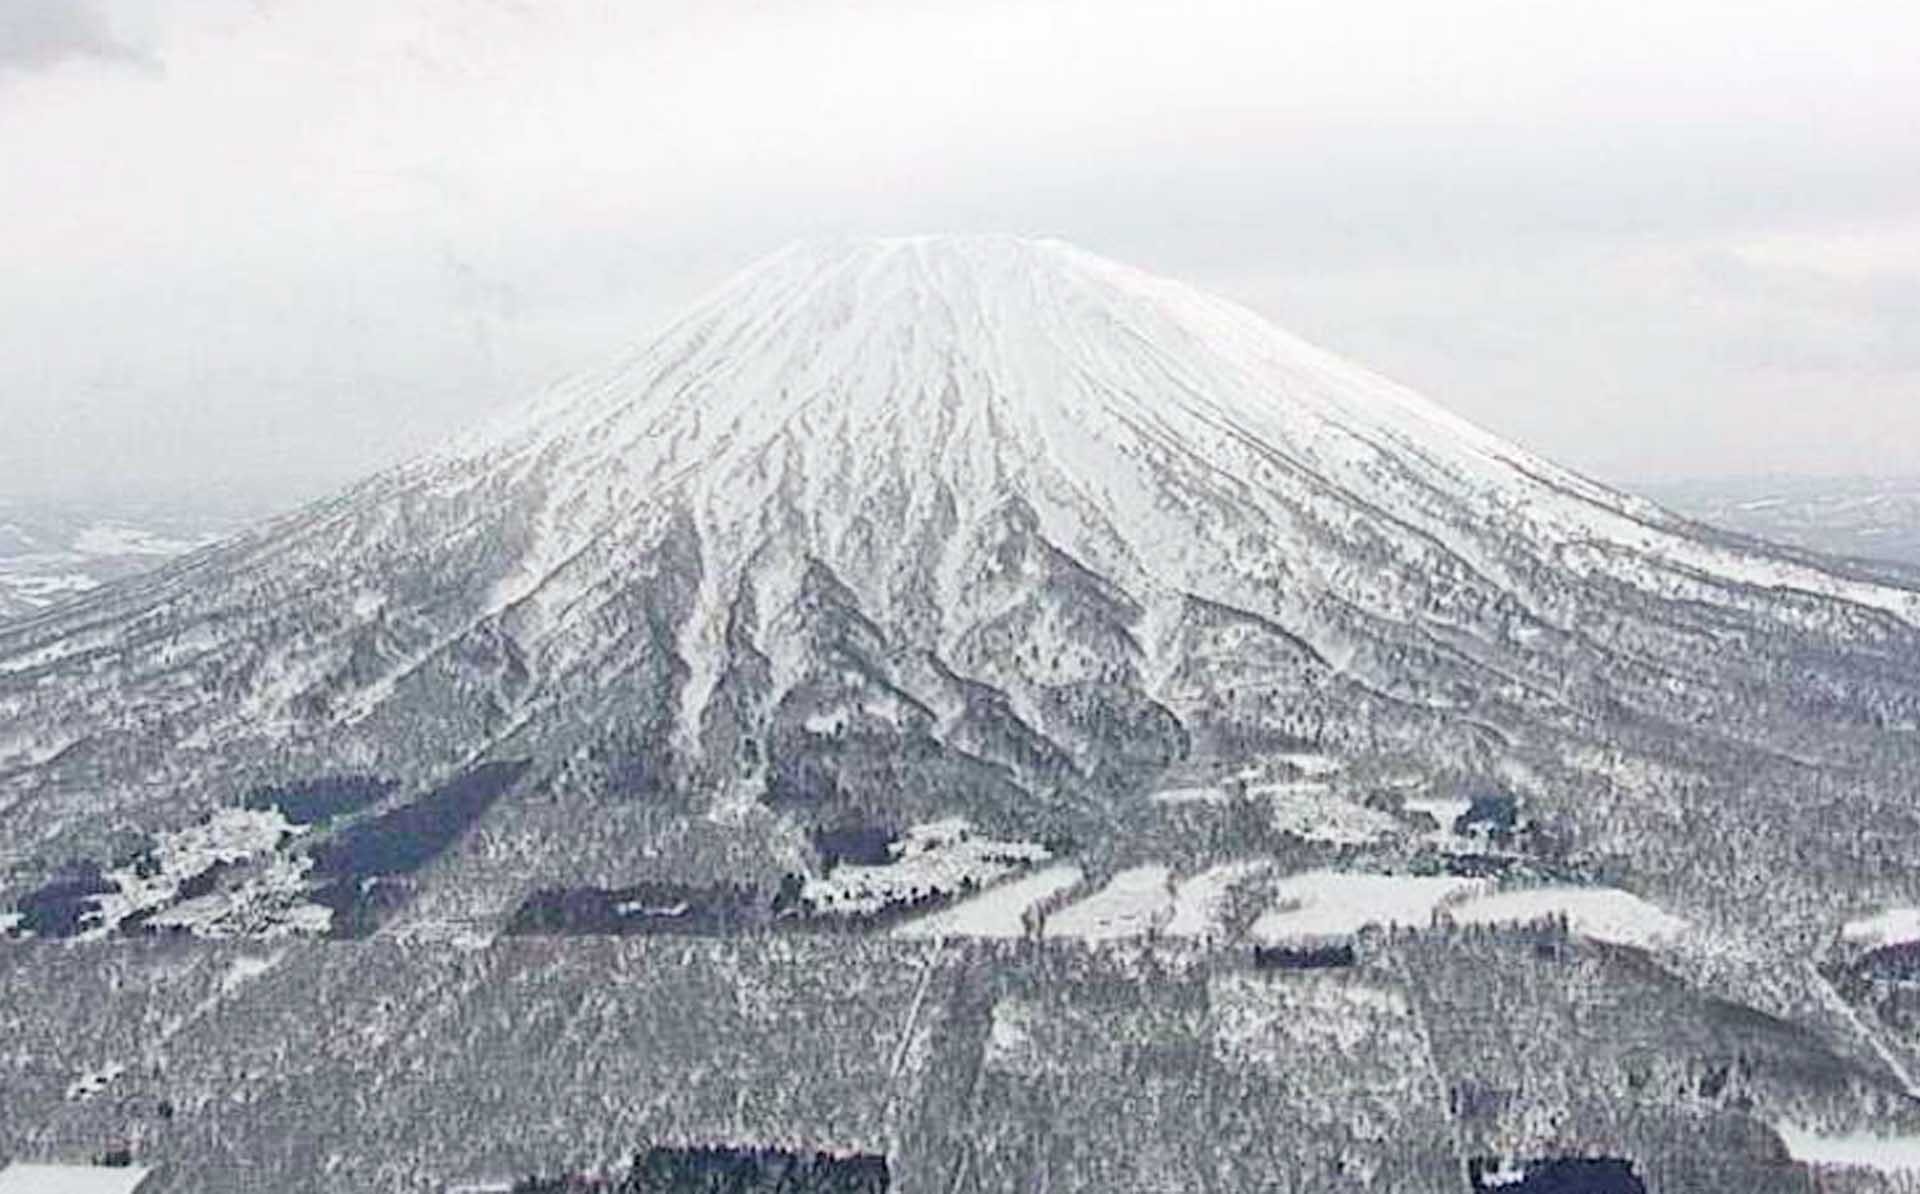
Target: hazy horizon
x,y
275,247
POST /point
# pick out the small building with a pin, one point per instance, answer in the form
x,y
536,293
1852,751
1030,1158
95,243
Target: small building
x,y
22,1178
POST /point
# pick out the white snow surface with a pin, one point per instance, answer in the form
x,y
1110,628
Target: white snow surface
x,y
1319,905
1134,903
1894,926
984,367
1199,900
266,902
1888,1154
23,1178
1311,810
1312,763
1199,795
1599,913
999,911
940,858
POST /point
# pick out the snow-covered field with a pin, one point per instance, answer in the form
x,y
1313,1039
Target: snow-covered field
x,y
1200,900
942,858
1132,904
1319,905
1194,795
998,912
1600,913
1312,811
71,1179
1888,1154
1895,926
1311,763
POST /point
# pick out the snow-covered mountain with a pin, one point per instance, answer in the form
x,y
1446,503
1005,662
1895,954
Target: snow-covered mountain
x,y
984,664
888,530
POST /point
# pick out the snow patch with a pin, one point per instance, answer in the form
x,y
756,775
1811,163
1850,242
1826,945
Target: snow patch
x,y
94,1082
1895,926
264,896
1329,904
1199,901
1888,1154
1311,811
1010,1034
1133,904
942,858
825,723
1189,796
245,970
998,912
448,934
1312,764
1599,913
22,1178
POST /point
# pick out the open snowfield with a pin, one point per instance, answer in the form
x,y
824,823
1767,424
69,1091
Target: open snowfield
x,y
1196,795
1324,904
1132,904
944,857
1199,901
1895,926
1888,1154
997,912
1599,913
1312,811
70,1179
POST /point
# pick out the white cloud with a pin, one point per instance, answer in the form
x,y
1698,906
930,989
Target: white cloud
x,y
328,231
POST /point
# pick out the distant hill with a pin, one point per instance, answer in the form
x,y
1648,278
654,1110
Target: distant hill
x,y
52,550
1861,517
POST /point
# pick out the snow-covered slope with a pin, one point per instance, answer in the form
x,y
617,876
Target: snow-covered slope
x,y
885,532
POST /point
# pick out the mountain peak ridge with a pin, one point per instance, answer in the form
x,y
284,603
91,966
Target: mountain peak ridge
x,y
993,366
1031,475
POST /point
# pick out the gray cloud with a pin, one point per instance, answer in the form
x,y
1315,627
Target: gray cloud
x,y
35,34
1645,240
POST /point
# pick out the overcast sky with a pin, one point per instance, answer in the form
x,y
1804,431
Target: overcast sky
x,y
278,243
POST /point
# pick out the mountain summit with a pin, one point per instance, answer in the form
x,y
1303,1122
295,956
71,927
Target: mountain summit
x,y
887,531
961,714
